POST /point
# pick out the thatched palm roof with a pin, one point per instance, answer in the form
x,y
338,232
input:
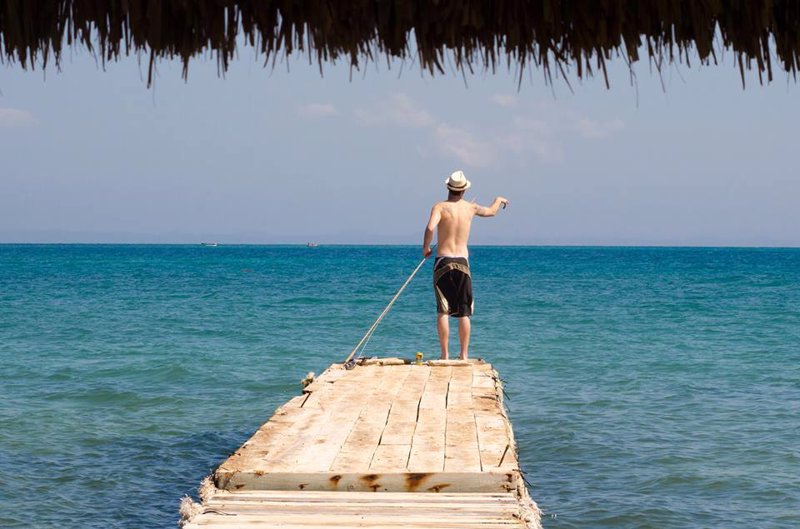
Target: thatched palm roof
x,y
550,34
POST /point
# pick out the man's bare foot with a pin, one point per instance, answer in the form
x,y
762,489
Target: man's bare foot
x,y
445,356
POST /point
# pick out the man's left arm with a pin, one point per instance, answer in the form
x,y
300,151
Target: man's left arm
x,y
433,221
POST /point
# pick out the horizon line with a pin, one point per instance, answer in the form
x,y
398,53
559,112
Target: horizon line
x,y
777,246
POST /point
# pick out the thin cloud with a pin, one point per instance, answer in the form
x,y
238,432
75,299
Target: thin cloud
x,y
400,110
526,138
316,110
504,100
534,126
533,136
464,145
12,117
591,129
524,143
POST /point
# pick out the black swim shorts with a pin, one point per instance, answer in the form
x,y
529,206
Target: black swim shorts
x,y
452,284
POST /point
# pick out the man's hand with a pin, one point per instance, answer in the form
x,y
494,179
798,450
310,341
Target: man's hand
x,y
503,201
426,251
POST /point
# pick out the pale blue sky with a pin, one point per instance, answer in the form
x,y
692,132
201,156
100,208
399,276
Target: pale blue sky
x,y
267,156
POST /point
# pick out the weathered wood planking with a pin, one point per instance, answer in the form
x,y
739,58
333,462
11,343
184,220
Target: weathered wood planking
x,y
379,427
396,510
432,439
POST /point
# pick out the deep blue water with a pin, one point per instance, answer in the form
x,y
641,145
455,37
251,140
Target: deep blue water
x,y
649,387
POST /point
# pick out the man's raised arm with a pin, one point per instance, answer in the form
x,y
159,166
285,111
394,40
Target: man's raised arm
x,y
491,211
433,221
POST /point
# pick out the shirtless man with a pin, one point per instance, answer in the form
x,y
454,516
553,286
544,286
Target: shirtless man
x,y
452,281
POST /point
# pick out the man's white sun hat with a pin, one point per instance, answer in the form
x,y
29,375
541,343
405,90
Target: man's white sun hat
x,y
457,182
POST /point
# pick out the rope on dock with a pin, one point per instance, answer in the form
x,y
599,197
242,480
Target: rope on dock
x,y
190,508
349,362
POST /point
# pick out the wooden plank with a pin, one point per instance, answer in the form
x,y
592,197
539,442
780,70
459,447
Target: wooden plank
x,y
461,441
459,399
484,380
460,415
295,450
488,392
305,510
494,442
356,499
376,482
344,502
265,521
441,374
390,457
359,447
324,509
435,393
399,431
321,453
431,512
331,440
431,420
327,505
464,514
402,418
350,519
486,404
450,363
385,362
463,372
426,456
428,443
365,497
313,445
392,384
483,368
269,439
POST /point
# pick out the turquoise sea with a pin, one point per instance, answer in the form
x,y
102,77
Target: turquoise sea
x,y
648,387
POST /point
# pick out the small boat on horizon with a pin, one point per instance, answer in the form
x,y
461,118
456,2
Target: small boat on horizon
x,y
212,244
312,244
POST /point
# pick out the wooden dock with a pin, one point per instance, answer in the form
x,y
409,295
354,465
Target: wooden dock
x,y
387,444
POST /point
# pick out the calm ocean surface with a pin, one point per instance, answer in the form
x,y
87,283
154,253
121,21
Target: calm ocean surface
x,y
649,387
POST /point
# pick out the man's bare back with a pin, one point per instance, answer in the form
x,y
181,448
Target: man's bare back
x,y
452,282
452,219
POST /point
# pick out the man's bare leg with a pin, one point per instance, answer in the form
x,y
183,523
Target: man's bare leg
x,y
443,326
464,328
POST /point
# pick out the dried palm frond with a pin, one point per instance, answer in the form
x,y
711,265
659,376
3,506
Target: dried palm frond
x,y
552,35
